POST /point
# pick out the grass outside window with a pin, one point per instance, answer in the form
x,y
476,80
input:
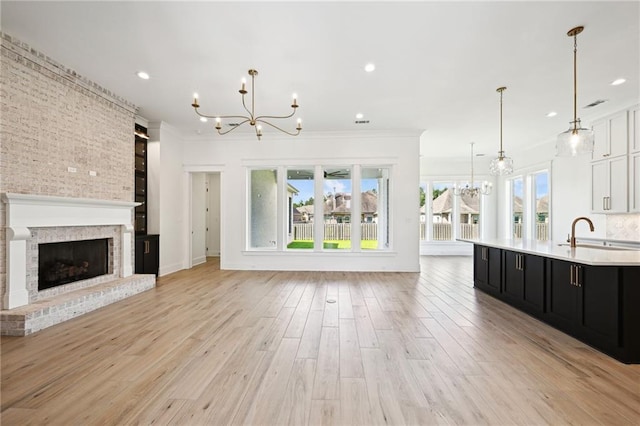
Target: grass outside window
x,y
333,244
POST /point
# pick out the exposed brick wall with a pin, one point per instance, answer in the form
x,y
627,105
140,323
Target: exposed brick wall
x,y
51,119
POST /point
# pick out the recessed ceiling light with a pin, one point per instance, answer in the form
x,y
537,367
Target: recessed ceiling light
x,y
143,75
369,67
359,115
618,81
203,119
552,114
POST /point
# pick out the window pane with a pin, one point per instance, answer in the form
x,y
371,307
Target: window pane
x,y
469,214
337,208
517,188
374,224
300,185
423,212
442,207
541,181
264,211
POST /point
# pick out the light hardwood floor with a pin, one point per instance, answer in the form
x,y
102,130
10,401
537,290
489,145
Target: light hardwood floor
x,y
246,347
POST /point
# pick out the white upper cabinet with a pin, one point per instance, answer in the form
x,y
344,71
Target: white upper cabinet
x,y
611,135
609,186
634,182
634,129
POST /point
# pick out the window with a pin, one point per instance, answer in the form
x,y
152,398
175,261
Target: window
x,y
529,216
541,191
263,201
319,208
442,203
517,204
337,208
423,212
301,186
374,208
468,215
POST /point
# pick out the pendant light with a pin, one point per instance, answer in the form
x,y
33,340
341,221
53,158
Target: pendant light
x,y
502,165
577,140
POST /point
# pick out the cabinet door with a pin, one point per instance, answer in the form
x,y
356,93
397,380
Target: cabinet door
x,y
152,255
634,130
494,278
599,186
561,295
480,266
618,134
139,255
533,291
600,140
598,302
634,182
617,201
513,287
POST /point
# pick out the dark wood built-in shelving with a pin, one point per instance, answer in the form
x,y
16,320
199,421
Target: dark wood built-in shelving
x,y
147,246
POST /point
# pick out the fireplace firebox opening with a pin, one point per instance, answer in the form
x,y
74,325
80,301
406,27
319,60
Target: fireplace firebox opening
x,y
66,262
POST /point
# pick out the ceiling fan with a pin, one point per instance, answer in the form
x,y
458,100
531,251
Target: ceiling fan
x,y
337,174
328,174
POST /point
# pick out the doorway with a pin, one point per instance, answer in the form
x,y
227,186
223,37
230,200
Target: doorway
x,y
205,217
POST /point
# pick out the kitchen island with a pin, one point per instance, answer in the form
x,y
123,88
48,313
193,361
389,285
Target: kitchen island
x,y
589,292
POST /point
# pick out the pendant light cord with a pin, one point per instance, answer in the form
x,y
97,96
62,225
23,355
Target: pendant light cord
x,y
501,150
575,82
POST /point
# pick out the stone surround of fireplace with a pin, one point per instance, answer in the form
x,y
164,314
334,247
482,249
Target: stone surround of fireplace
x,y
36,219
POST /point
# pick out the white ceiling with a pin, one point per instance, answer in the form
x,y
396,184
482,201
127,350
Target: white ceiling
x,y
438,64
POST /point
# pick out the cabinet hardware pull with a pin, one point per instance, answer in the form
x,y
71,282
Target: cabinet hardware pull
x,y
604,203
578,268
608,203
571,275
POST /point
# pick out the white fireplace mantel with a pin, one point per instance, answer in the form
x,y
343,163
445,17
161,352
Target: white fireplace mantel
x,y
26,211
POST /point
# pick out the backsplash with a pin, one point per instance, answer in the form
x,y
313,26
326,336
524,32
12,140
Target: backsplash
x,y
623,227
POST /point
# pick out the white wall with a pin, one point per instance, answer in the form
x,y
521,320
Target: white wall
x,y
233,155
169,197
213,217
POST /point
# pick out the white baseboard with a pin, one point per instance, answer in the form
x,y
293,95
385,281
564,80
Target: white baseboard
x,y
198,260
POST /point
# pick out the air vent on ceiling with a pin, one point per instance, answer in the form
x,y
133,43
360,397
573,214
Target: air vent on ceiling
x,y
595,103
362,121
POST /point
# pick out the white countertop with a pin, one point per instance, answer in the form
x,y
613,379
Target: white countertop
x,y
562,251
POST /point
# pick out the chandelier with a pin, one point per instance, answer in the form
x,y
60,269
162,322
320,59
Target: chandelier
x,y
576,140
253,119
502,165
470,190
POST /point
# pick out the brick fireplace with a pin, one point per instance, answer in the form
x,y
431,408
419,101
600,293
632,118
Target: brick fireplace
x,y
32,220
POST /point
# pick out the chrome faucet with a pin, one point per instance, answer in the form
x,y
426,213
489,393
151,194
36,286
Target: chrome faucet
x,y
572,241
